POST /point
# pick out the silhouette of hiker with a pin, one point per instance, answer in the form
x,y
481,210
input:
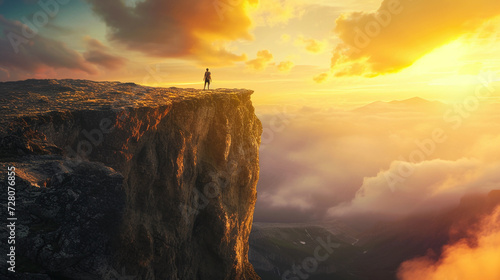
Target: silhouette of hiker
x,y
207,79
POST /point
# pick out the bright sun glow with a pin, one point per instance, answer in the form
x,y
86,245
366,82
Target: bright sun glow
x,y
444,59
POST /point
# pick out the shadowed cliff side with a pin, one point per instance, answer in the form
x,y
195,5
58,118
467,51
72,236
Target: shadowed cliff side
x,y
120,180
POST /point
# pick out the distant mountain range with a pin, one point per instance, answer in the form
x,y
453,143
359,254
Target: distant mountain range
x,y
415,104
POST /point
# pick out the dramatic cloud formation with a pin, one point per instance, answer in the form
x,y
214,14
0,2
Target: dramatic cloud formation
x,y
285,66
475,257
264,57
432,185
318,161
402,31
99,54
197,29
24,56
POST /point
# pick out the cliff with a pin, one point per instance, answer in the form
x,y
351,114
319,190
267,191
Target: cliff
x,y
120,181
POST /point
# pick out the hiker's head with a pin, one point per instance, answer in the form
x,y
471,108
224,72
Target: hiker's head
x,y
207,69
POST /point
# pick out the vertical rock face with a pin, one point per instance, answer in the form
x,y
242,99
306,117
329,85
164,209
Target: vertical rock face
x,y
118,180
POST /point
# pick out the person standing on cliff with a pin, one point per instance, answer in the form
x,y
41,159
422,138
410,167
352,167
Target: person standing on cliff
x,y
207,79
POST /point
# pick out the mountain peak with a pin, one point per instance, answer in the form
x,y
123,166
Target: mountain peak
x,y
415,103
411,101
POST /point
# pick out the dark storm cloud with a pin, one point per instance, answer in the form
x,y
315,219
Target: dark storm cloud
x,y
98,53
22,56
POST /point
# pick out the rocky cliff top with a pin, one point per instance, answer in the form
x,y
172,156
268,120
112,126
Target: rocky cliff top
x,y
116,179
37,97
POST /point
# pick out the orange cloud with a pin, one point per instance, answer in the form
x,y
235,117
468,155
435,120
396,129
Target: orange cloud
x,y
475,257
196,29
285,66
311,45
275,12
264,57
321,78
402,31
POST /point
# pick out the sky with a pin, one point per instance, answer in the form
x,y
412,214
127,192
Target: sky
x,y
374,108
314,67
336,53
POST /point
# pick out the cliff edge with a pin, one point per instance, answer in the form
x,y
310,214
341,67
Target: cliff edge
x,y
120,181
